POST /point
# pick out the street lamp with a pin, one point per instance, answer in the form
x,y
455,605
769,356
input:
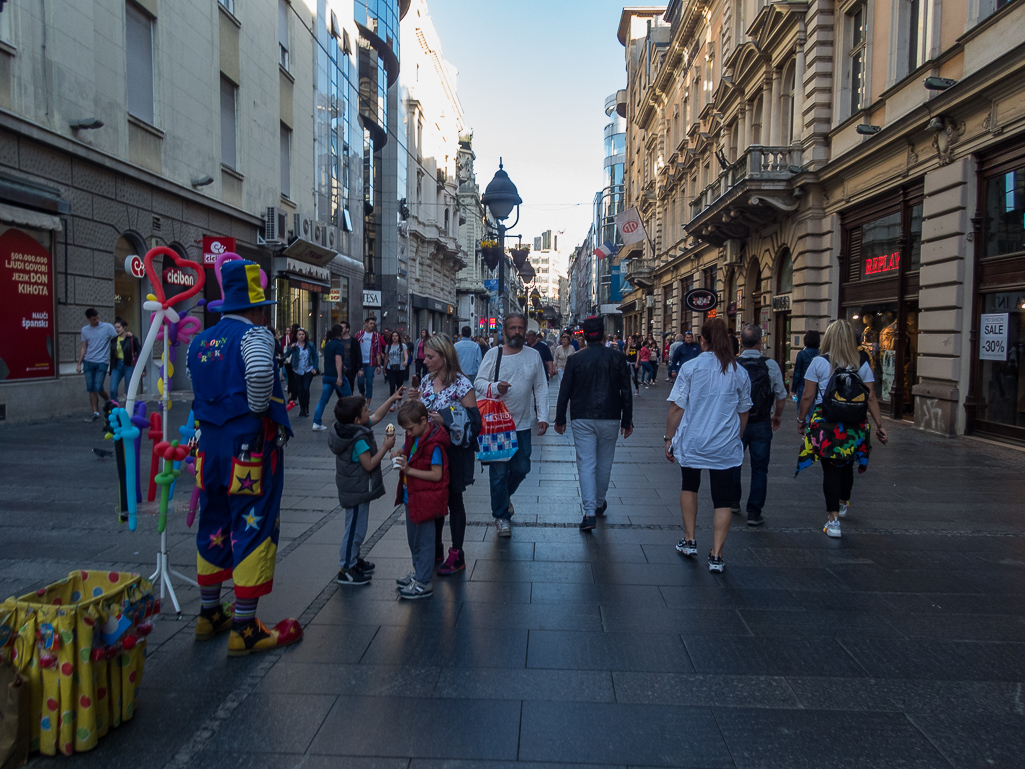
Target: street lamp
x,y
501,197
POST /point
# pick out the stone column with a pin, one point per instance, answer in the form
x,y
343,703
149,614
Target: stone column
x,y
777,112
799,66
767,109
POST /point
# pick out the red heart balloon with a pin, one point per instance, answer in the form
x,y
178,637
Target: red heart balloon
x,y
182,264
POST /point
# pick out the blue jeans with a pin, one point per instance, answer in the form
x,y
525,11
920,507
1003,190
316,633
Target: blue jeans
x,y
95,374
367,382
355,532
118,372
758,442
325,396
506,477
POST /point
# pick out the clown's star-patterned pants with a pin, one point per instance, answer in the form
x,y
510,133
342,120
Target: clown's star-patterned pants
x,y
240,506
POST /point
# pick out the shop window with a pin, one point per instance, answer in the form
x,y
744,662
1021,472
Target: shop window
x,y
340,309
880,340
1002,382
1005,213
128,289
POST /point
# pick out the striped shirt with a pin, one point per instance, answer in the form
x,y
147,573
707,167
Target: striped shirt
x,y
258,354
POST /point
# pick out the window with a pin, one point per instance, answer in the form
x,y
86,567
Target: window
x,y
915,41
283,9
229,123
6,33
856,33
1005,213
286,161
139,54
229,6
789,94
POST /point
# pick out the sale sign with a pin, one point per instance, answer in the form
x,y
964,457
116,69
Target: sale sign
x,y
214,246
993,339
26,294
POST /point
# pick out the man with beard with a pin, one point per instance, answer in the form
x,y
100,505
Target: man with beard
x,y
521,384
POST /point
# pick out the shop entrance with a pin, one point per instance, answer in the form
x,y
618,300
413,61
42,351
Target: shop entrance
x,y
296,305
892,351
782,313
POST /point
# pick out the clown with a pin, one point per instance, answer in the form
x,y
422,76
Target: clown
x,y
239,466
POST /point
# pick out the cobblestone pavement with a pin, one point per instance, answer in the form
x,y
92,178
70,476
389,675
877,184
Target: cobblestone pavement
x,y
900,645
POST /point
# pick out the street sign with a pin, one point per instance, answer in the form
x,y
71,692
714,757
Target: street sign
x,y
491,284
993,339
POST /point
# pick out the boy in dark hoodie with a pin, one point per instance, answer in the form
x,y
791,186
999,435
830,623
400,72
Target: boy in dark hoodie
x,y
423,488
358,476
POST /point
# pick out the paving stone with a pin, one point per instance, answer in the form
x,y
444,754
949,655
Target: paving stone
x,y
966,697
677,597
704,690
771,657
530,616
563,650
274,722
976,740
579,592
831,624
519,684
940,660
640,735
531,571
771,739
455,728
350,680
656,619
448,647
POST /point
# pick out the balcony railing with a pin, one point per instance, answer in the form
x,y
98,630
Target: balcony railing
x,y
758,163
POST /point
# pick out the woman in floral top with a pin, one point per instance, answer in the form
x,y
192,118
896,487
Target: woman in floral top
x,y
444,386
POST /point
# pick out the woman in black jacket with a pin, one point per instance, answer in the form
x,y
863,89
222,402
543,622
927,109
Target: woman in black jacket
x,y
124,353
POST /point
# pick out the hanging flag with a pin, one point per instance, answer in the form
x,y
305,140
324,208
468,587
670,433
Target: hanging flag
x,y
630,226
606,249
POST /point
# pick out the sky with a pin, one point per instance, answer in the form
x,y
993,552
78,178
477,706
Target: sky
x,y
533,77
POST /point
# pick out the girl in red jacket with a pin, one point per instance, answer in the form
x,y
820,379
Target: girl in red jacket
x,y
423,488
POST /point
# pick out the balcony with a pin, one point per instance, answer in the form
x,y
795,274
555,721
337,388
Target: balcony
x,y
639,273
753,192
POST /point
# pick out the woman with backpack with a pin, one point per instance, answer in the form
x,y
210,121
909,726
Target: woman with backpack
x,y
838,399
446,392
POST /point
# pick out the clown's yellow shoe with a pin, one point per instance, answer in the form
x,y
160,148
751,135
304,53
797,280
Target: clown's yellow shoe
x,y
254,636
213,622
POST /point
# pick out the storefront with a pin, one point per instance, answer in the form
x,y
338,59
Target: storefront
x,y
996,400
345,297
879,269
782,306
433,315
302,288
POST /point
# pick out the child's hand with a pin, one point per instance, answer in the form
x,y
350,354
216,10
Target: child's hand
x,y
400,462
389,443
396,453
401,392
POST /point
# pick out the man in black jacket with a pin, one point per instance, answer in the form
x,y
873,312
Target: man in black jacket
x,y
597,381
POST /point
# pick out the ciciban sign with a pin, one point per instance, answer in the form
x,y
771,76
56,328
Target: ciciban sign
x,y
174,276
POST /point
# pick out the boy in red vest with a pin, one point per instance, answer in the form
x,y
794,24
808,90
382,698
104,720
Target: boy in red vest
x,y
423,488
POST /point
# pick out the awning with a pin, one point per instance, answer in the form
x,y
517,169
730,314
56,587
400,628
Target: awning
x,y
22,217
310,252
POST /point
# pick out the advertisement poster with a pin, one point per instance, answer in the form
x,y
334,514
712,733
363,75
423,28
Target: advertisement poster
x,y
26,294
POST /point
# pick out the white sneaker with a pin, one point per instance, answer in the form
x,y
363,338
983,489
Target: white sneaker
x,y
843,509
504,529
318,428
406,580
832,529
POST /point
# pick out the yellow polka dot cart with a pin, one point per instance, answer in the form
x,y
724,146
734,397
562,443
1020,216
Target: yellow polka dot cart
x,y
81,643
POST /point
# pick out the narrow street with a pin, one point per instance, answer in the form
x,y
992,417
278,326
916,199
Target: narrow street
x,y
901,644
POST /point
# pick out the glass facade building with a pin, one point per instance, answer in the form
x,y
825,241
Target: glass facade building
x,y
609,202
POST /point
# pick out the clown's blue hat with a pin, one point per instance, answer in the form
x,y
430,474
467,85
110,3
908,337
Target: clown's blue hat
x,y
240,281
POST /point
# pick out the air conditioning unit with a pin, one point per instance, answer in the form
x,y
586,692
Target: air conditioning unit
x,y
302,226
732,253
649,301
275,225
318,233
332,238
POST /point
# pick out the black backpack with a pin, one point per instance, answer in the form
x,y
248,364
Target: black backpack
x,y
845,398
762,398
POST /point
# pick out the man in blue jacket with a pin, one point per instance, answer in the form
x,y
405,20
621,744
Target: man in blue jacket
x,y
243,423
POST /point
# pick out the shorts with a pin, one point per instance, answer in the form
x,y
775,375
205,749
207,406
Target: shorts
x,y
720,480
95,374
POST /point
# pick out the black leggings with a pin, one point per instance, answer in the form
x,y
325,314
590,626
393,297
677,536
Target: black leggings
x,y
720,480
394,377
837,483
456,522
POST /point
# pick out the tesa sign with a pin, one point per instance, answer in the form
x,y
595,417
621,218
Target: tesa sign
x,y
175,276
877,264
214,246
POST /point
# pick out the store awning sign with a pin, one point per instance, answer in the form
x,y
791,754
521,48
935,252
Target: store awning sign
x,y
175,276
214,246
307,271
371,298
886,263
701,299
993,339
781,303
134,266
26,294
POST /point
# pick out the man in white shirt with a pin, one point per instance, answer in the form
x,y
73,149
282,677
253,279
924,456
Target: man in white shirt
x,y
468,352
521,384
372,351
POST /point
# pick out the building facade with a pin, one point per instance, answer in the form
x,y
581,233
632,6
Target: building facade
x,y
472,294
861,160
200,126
434,127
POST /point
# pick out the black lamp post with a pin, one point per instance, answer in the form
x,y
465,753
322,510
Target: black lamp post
x,y
500,198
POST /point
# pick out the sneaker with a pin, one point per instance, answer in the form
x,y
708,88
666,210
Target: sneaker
x,y
588,523
512,510
832,529
716,563
353,576
844,506
455,563
755,519
406,580
601,510
735,509
416,590
318,428
504,529
367,567
254,636
94,417
213,621
687,547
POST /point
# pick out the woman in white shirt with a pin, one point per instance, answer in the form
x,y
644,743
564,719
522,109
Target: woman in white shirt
x,y
562,353
838,445
707,415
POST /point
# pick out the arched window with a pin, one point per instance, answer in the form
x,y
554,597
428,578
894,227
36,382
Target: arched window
x,y
785,273
789,92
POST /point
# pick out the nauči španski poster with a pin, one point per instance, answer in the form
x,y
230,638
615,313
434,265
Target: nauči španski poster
x,y
26,308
